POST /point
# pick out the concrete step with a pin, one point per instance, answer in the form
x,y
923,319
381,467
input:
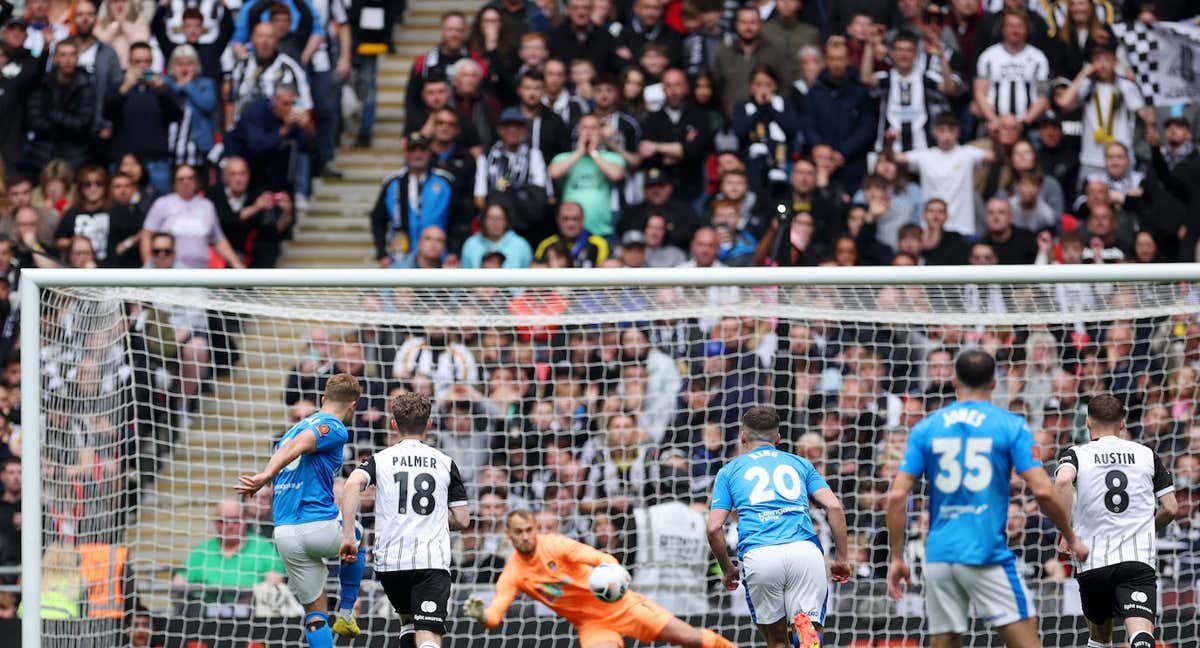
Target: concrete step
x,y
324,237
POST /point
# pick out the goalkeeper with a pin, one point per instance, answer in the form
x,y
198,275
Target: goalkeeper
x,y
307,528
554,570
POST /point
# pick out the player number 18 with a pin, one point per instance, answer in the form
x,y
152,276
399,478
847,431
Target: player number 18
x,y
975,471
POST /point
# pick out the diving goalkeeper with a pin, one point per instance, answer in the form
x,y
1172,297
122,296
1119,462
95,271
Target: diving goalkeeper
x,y
554,570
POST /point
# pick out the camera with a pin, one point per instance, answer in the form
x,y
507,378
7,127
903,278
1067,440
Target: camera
x,y
148,76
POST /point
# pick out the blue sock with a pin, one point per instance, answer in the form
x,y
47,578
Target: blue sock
x,y
350,576
316,630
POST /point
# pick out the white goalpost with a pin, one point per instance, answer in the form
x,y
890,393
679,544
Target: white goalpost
x,y
591,395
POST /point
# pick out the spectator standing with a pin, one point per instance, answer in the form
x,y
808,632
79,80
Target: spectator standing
x,y
521,17
558,97
61,111
1110,106
909,98
191,138
23,74
120,24
839,113
273,134
100,61
619,130
788,30
437,62
677,137
738,58
192,32
1010,76
10,511
589,175
1176,166
579,38
192,220
495,235
256,76
474,106
514,168
766,126
142,111
645,25
416,197
947,172
582,248
547,131
368,31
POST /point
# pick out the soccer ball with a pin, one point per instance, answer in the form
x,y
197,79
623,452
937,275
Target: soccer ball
x,y
609,582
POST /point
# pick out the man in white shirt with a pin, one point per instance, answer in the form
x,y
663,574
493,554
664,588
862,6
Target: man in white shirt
x,y
947,172
1110,104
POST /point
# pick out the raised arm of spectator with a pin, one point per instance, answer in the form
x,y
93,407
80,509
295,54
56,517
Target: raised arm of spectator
x,y
158,27
866,70
562,165
611,170
1070,98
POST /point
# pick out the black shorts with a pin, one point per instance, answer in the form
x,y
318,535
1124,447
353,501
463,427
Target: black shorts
x,y
1128,589
423,594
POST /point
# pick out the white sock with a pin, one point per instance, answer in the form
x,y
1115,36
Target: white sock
x,y
429,644
1092,643
346,613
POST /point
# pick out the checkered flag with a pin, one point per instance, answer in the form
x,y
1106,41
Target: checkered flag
x,y
1141,48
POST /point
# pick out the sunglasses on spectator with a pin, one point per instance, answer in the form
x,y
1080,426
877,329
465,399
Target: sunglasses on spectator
x,y
163,251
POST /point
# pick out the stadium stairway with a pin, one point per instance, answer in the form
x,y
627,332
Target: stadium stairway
x,y
231,433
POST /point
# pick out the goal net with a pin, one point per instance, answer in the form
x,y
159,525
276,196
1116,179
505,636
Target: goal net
x,y
606,410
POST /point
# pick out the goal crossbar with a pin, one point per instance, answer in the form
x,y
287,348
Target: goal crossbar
x,y
33,280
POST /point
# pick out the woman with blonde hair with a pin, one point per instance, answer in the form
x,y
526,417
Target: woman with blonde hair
x,y
61,583
121,24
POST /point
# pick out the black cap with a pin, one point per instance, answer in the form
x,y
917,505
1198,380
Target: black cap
x,y
417,140
1177,121
16,21
657,176
493,253
1049,118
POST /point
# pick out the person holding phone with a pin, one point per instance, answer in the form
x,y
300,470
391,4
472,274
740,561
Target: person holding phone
x,y
141,113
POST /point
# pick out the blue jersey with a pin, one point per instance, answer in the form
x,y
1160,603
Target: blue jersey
x,y
967,451
769,489
304,488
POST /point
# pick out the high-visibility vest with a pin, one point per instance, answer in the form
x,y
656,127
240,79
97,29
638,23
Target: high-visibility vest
x,y
55,605
103,569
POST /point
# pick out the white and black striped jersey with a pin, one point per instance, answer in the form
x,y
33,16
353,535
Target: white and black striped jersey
x,y
1117,485
1013,79
415,488
251,80
908,105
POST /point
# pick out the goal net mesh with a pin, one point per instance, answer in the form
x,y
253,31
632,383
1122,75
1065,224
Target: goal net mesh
x,y
607,411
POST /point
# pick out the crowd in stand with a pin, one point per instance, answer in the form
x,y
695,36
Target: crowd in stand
x,y
616,134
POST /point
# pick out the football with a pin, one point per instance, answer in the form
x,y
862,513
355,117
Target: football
x,y
609,582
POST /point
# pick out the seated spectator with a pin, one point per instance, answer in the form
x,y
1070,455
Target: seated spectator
x,y
438,63
253,219
584,249
113,230
1012,245
558,98
514,169
61,111
735,246
435,95
192,220
141,111
441,357
232,562
610,488
495,235
452,156
1103,244
273,134
429,253
417,197
1030,211
680,219
589,175
659,253
301,393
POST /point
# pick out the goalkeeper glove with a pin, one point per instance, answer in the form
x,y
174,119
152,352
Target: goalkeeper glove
x,y
474,609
